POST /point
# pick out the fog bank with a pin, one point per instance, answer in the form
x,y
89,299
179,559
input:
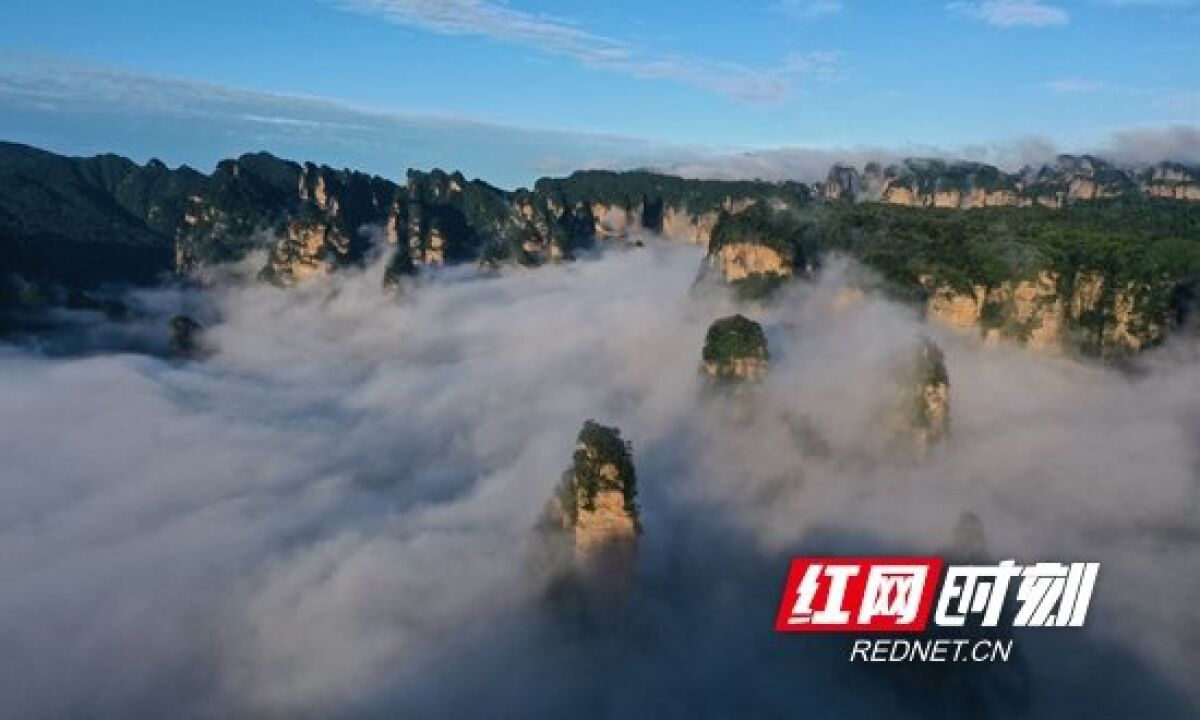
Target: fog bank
x,y
329,515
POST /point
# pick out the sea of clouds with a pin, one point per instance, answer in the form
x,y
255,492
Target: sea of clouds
x,y
330,514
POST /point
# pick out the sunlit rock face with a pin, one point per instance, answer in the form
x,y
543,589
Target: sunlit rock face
x,y
307,249
1171,180
735,349
613,222
1089,313
740,261
589,530
307,216
679,224
747,255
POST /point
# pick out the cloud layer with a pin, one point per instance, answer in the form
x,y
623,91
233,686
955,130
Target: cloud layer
x,y
331,515
562,37
1133,146
1013,13
93,109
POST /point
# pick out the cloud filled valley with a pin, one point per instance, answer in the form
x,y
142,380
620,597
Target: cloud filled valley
x,y
331,513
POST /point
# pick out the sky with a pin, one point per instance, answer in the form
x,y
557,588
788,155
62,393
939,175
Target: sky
x,y
513,90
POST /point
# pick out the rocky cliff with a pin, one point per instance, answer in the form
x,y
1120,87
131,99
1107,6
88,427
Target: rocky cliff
x,y
1106,278
920,414
589,529
1120,256
751,256
1048,312
929,395
930,183
437,218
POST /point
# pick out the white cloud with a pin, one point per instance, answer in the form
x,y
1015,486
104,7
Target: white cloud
x,y
1134,146
328,517
1073,86
558,36
1153,3
809,9
1013,13
1146,145
822,65
84,109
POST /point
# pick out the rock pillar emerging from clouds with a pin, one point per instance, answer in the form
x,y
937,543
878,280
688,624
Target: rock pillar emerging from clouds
x,y
592,523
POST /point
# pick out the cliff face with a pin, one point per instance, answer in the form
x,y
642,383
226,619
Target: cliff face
x,y
746,253
965,185
740,261
590,527
1046,313
309,217
930,395
83,221
436,218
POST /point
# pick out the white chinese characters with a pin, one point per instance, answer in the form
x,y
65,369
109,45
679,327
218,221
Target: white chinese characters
x,y
1049,594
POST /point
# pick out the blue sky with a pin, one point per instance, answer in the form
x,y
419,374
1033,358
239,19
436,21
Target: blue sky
x,y
509,90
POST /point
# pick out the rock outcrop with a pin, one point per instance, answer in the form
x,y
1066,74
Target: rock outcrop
x,y
735,350
922,415
749,255
590,527
931,183
742,261
1046,313
77,223
310,218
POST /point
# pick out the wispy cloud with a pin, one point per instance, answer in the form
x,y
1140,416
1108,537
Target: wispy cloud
x,y
563,37
81,108
822,65
809,9
1154,3
1012,13
1142,145
1073,86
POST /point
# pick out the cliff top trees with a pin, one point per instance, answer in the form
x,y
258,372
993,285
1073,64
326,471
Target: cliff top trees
x,y
735,348
601,463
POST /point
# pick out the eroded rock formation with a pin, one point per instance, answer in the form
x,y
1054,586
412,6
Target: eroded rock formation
x,y
1047,313
745,260
921,416
589,530
932,183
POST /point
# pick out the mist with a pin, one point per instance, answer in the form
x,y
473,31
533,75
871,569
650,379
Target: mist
x,y
330,514
1133,147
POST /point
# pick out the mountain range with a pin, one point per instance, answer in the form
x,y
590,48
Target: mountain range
x,y
1079,251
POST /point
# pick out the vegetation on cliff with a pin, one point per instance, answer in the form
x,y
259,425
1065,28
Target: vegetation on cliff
x,y
735,347
602,461
653,192
79,222
1148,249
